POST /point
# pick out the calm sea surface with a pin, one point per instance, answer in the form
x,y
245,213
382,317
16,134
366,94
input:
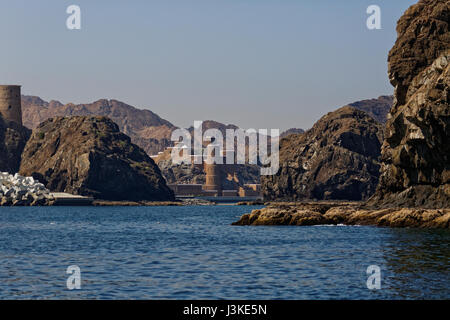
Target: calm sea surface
x,y
194,253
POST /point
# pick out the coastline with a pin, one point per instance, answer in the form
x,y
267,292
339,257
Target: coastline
x,y
347,213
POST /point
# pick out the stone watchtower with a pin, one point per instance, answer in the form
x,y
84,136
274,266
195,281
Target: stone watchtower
x,y
213,178
10,103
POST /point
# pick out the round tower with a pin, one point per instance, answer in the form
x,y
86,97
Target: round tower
x,y
10,103
213,178
213,173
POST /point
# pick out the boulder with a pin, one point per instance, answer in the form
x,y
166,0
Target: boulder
x,y
89,156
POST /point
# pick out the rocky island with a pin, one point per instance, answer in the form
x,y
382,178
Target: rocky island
x,y
338,158
89,156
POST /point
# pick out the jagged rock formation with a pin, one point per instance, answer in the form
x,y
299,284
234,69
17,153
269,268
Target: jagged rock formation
x,y
89,156
336,159
13,138
146,129
376,108
416,152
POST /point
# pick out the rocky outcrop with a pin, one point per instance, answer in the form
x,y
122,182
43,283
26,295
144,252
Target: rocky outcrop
x,y
416,151
89,156
13,138
145,128
336,159
422,36
16,190
328,213
376,108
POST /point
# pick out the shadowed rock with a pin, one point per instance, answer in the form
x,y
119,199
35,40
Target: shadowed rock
x,y
89,156
336,159
13,138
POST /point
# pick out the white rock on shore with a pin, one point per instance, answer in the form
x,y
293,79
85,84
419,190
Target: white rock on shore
x,y
22,191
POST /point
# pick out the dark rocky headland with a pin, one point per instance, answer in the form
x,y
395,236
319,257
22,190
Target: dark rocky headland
x,y
89,156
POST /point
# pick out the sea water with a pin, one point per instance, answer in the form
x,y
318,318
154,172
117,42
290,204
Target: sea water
x,y
194,253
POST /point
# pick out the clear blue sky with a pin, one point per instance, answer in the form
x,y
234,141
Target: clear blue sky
x,y
254,63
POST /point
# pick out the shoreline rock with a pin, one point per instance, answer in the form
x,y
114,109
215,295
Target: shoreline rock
x,y
347,213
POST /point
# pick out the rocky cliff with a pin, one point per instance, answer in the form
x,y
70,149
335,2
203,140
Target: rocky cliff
x,y
89,156
336,159
146,129
13,138
416,151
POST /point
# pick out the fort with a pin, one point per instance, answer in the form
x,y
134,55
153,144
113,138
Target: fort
x,y
10,103
221,182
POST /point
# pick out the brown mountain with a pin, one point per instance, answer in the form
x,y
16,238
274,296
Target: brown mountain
x,y
416,151
89,156
145,128
376,108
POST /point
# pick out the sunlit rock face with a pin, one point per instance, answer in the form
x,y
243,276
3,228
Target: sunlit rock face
x,y
415,168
